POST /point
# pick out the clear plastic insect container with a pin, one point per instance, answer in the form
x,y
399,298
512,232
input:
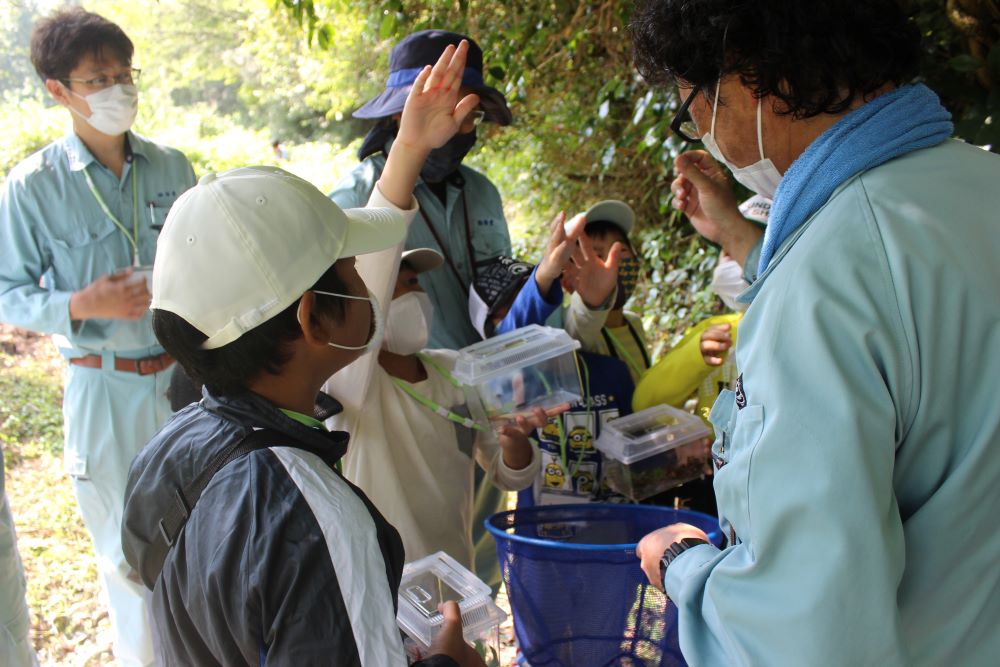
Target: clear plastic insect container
x,y
514,373
654,450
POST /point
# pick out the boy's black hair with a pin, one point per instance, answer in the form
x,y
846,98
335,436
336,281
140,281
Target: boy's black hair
x,y
600,229
816,57
229,369
59,41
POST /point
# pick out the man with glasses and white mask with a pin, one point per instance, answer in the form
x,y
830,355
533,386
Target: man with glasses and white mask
x,y
856,460
78,224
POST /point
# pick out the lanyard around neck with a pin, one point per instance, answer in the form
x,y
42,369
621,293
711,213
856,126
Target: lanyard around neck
x,y
444,249
133,238
431,405
623,353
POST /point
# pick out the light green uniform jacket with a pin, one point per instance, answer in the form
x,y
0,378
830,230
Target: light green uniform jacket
x,y
862,446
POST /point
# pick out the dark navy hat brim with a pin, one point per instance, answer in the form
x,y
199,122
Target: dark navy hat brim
x,y
391,101
423,48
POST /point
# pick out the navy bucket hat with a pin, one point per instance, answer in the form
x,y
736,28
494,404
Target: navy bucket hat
x,y
424,48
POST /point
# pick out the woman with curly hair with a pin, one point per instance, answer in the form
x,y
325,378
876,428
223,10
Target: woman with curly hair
x,y
856,459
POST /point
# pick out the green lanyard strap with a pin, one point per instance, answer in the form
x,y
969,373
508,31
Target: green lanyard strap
x,y
623,353
431,405
134,237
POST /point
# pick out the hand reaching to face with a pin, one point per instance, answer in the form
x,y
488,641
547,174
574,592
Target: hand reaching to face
x,y
433,113
702,192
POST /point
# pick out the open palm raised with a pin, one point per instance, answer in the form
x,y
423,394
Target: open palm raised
x,y
433,113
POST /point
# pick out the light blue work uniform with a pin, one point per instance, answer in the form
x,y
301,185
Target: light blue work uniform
x,y
452,328
15,644
57,239
860,450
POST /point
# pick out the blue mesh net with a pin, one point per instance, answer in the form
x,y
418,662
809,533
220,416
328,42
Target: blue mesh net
x,y
577,593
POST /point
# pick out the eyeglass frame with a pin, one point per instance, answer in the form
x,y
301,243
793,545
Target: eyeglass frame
x,y
678,122
133,75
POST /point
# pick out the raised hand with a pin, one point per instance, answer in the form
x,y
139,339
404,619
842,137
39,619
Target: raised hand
x,y
558,250
433,113
702,191
594,278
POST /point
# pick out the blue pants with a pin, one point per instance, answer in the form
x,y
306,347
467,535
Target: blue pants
x,y
109,416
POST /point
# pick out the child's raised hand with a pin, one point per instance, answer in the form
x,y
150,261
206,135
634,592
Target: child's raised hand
x,y
433,113
558,250
595,278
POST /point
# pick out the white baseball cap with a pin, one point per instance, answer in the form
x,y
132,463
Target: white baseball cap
x,y
243,245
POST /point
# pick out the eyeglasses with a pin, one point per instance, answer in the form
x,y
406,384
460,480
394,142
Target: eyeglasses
x,y
128,77
686,129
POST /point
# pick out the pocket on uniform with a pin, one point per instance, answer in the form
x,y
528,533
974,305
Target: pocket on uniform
x,y
721,418
153,217
83,252
75,465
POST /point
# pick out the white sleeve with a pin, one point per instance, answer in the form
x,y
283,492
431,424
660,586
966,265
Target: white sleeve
x,y
378,270
489,456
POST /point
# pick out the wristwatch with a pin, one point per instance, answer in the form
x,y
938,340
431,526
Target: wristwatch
x,y
675,550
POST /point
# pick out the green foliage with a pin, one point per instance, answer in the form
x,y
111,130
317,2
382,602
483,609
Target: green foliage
x,y
30,412
588,128
27,126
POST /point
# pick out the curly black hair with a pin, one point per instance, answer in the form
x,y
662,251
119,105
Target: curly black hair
x,y
817,57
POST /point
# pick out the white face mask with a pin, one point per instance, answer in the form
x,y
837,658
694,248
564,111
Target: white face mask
x,y
762,176
408,325
728,283
379,325
112,110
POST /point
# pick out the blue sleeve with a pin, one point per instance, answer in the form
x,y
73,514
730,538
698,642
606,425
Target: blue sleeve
x,y
530,307
23,262
356,187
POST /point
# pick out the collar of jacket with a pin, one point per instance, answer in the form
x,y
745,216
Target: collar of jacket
x,y
254,411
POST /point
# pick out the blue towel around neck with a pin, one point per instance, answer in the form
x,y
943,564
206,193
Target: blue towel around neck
x,y
899,122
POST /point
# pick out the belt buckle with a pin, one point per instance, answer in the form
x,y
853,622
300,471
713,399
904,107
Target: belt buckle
x,y
142,364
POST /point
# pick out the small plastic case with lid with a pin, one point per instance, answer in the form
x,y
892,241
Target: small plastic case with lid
x,y
438,578
516,372
654,450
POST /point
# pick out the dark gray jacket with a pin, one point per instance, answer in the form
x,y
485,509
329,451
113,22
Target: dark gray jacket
x,y
282,561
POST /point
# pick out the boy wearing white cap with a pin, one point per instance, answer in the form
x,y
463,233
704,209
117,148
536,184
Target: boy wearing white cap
x,y
256,549
419,445
596,315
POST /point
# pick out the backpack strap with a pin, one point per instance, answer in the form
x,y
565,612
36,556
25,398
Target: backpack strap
x,y
184,499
